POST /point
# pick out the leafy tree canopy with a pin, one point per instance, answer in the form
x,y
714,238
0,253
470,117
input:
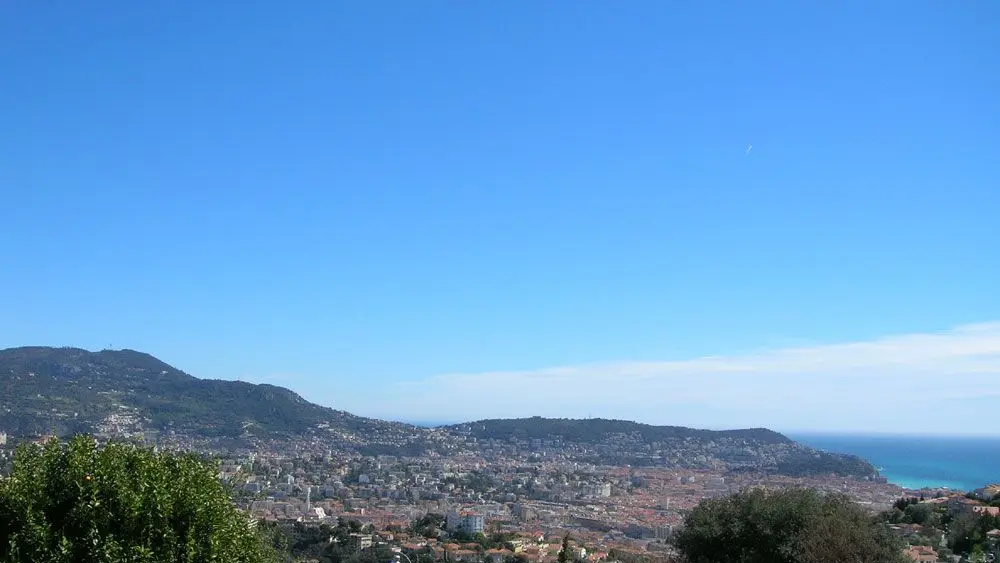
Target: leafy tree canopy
x,y
968,531
78,501
790,526
564,555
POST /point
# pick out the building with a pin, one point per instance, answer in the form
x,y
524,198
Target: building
x,y
360,542
716,483
985,493
523,512
465,522
921,553
638,532
958,504
499,555
986,510
598,490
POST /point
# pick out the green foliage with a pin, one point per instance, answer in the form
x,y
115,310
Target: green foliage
x,y
68,391
118,503
327,544
969,530
791,526
564,552
903,502
807,463
478,481
909,510
631,557
429,526
919,514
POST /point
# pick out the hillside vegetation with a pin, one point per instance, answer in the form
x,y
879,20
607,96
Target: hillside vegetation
x,y
595,430
65,391
125,394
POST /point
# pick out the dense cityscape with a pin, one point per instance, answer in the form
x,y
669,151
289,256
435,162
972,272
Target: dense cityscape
x,y
531,493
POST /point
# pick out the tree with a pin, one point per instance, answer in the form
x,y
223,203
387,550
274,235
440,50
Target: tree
x,y
77,501
905,502
790,526
429,526
564,552
919,513
969,530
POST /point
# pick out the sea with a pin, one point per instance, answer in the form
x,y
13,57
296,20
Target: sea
x,y
915,462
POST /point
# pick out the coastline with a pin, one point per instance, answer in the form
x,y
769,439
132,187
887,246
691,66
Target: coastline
x,y
919,462
917,484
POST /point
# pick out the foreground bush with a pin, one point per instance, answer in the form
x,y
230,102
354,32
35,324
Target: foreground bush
x,y
791,526
79,502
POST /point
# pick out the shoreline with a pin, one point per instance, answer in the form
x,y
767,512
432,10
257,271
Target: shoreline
x,y
918,484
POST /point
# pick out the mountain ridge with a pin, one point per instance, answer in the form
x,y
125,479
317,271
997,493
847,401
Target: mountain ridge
x,y
45,390
63,391
539,427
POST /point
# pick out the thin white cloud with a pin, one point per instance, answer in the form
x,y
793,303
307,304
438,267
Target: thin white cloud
x,y
930,382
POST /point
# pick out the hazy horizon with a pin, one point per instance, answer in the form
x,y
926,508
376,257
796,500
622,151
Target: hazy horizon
x,y
787,432
793,434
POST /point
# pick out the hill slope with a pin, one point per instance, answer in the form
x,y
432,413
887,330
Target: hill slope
x,y
68,390
623,442
123,393
597,430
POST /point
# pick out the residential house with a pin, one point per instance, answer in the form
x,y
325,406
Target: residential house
x,y
360,542
959,504
499,555
988,492
921,553
986,510
904,530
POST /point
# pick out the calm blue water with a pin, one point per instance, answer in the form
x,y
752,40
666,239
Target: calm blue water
x,y
915,462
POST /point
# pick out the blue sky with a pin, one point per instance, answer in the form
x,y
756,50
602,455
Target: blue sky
x,y
426,209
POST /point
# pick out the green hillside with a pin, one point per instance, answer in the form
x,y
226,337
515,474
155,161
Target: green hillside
x,y
68,390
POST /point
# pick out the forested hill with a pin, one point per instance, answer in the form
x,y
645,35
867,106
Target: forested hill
x,y
596,430
64,391
623,442
124,393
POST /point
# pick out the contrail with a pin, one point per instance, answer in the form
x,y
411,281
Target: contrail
x,y
749,148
